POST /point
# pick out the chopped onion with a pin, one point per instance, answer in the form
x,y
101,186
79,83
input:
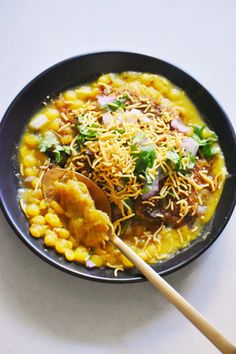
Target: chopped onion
x,y
177,124
190,146
155,186
155,213
89,152
137,112
151,193
165,103
106,118
145,119
38,122
90,264
104,100
132,116
139,115
146,141
201,209
119,119
29,179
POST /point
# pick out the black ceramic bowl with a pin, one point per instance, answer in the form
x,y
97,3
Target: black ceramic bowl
x,y
86,68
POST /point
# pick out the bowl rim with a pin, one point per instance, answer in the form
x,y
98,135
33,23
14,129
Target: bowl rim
x,y
51,261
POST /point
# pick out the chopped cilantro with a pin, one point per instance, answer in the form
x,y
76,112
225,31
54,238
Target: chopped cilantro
x,y
124,227
173,156
146,157
207,145
139,138
60,151
145,154
192,161
199,130
171,194
124,180
48,140
80,139
177,161
130,202
203,142
210,150
51,146
148,184
86,133
120,131
137,141
116,104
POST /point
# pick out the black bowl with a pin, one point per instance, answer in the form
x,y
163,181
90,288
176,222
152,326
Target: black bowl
x,y
86,68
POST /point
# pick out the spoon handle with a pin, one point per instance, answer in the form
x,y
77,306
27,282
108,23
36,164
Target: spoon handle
x,y
216,338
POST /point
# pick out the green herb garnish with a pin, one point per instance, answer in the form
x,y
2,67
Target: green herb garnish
x,y
145,154
129,202
207,145
177,161
116,104
119,130
48,141
210,150
148,184
60,151
199,130
145,158
174,157
124,227
138,139
191,162
86,133
51,146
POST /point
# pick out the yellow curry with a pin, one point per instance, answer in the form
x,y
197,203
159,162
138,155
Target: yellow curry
x,y
142,140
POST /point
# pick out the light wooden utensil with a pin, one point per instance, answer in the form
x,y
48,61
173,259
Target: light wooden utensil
x,y
102,203
222,343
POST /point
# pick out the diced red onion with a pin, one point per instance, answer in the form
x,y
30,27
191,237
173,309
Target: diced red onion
x,y
145,119
89,152
146,141
38,122
137,112
104,100
154,213
119,119
165,103
201,209
190,146
90,264
155,186
177,124
29,179
132,116
152,192
106,118
106,90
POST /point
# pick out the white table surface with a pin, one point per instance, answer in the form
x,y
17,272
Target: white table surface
x,y
43,310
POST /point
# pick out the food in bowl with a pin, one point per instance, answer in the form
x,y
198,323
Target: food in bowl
x,y
143,142
90,225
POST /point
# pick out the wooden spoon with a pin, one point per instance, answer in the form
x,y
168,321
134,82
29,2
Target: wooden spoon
x,y
59,174
102,203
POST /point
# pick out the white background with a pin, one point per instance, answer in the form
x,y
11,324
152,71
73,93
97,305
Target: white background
x,y
43,310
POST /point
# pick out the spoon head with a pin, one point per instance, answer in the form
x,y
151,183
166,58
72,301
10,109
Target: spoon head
x,y
59,174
